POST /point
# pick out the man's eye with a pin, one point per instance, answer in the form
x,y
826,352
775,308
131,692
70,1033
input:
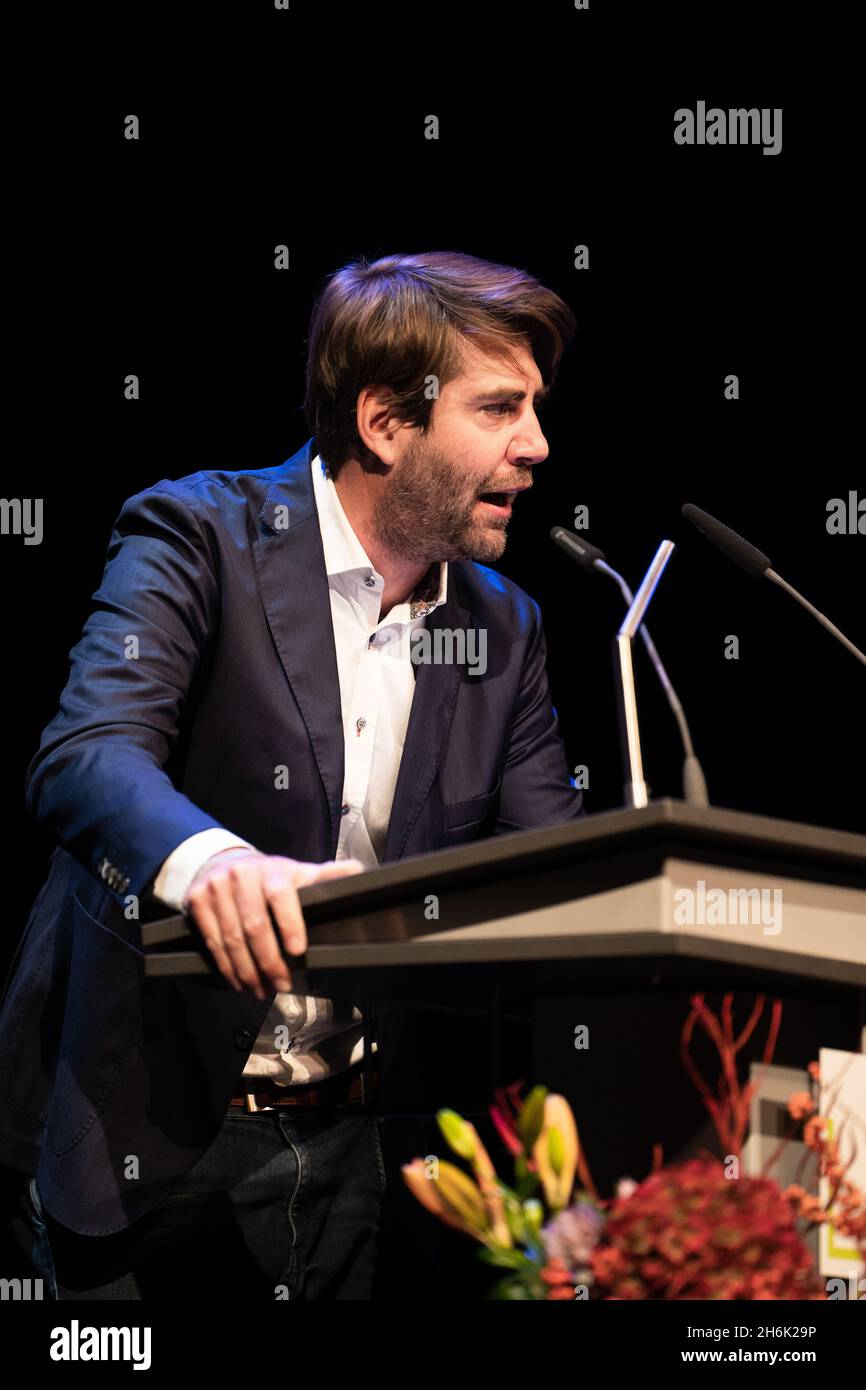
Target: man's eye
x,y
511,408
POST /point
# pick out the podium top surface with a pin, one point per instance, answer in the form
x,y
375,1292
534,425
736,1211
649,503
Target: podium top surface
x,y
661,830
611,846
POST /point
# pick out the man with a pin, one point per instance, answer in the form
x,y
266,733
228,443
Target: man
x,y
247,713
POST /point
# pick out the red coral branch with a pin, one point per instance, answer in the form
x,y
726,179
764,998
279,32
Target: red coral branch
x,y
730,1112
751,1025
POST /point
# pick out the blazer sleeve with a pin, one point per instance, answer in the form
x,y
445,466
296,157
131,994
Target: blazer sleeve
x,y
536,788
98,780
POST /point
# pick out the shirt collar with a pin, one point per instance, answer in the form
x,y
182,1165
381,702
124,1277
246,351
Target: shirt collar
x,y
345,555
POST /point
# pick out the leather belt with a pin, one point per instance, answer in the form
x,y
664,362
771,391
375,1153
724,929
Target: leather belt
x,y
257,1093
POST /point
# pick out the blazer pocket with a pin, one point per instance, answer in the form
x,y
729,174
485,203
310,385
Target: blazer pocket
x,y
101,1025
457,814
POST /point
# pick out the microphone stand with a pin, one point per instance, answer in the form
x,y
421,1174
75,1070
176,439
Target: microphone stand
x,y
590,558
694,783
635,787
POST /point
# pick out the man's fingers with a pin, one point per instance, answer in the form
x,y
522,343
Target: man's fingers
x,y
221,890
232,903
282,880
252,899
282,895
336,868
205,917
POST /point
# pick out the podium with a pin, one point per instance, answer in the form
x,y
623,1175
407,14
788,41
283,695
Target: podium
x,y
611,886
497,950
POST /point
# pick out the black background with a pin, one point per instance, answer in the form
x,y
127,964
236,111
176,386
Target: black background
x,y
261,127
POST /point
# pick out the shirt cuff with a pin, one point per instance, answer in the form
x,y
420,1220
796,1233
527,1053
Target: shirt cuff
x,y
182,865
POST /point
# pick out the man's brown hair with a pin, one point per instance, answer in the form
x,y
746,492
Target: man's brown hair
x,y
397,321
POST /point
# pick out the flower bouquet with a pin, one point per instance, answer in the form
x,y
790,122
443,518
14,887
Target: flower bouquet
x,y
692,1230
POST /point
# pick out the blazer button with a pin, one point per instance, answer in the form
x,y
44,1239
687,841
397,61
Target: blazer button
x,y
243,1038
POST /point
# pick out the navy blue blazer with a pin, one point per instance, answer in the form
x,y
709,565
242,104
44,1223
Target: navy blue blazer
x,y
207,661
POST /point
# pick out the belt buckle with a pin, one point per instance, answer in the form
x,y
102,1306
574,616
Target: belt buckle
x,y
253,1107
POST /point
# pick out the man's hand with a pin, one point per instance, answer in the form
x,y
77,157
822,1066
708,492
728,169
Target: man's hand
x,y
229,900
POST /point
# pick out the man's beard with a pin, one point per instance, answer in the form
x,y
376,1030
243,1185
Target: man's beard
x,y
429,511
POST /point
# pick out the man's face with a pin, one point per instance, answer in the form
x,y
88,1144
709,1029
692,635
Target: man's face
x,y
484,437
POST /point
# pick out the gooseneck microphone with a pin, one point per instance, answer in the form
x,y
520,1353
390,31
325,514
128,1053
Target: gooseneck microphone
x,y
756,563
590,558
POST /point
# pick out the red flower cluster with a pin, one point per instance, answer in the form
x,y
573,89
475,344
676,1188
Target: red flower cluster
x,y
690,1232
560,1283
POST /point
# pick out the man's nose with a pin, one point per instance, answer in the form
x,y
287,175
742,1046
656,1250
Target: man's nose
x,y
528,446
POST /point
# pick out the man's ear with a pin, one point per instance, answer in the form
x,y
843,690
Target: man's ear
x,y
361,452
376,425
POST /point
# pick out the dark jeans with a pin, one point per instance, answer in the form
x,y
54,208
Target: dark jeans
x,y
285,1204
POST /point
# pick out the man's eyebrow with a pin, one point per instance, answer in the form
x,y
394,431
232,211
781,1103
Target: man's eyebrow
x,y
502,394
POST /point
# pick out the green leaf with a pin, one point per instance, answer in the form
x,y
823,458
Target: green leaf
x,y
531,1117
514,1218
528,1186
505,1258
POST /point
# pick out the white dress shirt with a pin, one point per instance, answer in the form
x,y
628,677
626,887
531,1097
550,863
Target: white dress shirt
x,y
377,685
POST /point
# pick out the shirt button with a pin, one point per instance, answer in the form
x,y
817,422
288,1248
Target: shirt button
x,y
344,809
360,723
370,582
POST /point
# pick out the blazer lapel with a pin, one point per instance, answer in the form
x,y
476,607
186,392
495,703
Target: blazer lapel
x,y
436,687
293,583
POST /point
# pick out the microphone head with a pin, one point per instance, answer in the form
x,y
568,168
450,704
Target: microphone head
x,y
747,556
576,547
